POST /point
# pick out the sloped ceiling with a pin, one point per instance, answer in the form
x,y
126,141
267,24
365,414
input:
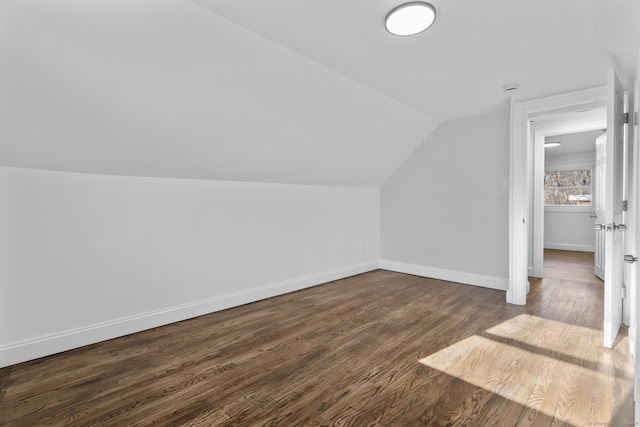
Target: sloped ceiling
x,y
458,67
289,91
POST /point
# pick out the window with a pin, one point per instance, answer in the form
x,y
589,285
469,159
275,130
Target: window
x,y
567,187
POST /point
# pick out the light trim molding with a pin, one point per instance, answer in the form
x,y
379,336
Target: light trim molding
x,y
67,340
499,283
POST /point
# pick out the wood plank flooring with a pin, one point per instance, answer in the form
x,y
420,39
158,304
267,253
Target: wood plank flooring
x,y
378,349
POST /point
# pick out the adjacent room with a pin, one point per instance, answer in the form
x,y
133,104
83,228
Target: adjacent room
x,y
293,213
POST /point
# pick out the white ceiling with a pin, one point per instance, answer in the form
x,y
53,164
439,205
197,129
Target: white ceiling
x,y
573,143
291,91
458,67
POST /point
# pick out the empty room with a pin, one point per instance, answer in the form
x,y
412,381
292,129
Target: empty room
x,y
315,213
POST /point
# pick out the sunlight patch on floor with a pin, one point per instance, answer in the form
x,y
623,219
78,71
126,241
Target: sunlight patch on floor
x,y
557,369
557,338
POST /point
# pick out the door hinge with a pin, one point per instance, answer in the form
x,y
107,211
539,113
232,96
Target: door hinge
x,y
625,118
624,291
635,118
625,205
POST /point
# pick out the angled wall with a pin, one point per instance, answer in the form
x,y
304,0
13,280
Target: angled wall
x,y
84,258
444,213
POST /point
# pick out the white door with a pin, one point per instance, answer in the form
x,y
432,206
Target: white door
x,y
613,243
627,218
598,190
635,247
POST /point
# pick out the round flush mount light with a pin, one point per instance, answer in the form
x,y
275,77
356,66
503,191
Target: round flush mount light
x,y
410,18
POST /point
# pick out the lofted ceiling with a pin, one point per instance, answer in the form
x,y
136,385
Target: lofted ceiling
x,y
288,91
458,67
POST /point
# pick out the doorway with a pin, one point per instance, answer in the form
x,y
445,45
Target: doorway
x,y
576,128
531,122
525,146
572,195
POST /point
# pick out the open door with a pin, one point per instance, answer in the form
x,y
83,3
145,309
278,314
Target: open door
x,y
613,212
599,190
632,256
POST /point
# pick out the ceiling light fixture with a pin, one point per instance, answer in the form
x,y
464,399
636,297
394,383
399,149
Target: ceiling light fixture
x,y
410,18
551,144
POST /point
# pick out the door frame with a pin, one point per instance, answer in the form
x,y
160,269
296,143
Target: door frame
x,y
634,243
540,132
520,171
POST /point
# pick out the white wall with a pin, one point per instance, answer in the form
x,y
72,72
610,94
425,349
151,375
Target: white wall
x,y
571,161
444,213
85,257
569,228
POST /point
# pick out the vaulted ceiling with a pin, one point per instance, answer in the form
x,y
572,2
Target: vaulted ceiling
x,y
290,91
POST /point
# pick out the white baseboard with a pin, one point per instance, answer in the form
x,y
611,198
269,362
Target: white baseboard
x,y
70,339
570,247
499,283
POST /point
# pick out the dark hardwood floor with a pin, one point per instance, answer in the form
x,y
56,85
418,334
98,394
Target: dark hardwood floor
x,y
378,349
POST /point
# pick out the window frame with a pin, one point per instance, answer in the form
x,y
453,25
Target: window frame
x,y
570,208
